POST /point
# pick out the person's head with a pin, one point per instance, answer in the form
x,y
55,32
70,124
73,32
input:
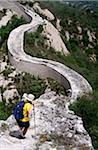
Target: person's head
x,y
30,97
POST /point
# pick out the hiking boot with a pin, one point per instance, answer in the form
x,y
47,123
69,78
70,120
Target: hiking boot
x,y
21,137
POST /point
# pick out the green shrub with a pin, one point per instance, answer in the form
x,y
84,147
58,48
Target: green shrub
x,y
6,110
34,43
29,84
3,50
3,114
13,23
55,86
7,71
87,108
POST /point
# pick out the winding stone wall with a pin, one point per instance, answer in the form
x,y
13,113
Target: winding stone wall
x,y
42,67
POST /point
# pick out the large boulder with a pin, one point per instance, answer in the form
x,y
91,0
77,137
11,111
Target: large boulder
x,y
6,18
3,66
53,38
44,12
3,126
55,120
2,79
10,95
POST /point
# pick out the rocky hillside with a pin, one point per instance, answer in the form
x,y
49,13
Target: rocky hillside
x,y
66,32
54,128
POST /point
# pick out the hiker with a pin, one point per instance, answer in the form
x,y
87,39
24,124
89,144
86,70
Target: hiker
x,y
24,123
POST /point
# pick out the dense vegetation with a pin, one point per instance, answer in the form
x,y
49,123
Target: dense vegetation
x,y
80,58
3,114
29,84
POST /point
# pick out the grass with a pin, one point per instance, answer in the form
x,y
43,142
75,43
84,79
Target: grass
x,y
26,83
3,114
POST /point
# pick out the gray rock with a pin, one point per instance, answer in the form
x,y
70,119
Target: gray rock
x,y
10,95
53,128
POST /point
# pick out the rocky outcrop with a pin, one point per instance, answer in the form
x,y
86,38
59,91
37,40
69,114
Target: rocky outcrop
x,y
67,35
3,66
58,24
50,32
79,29
91,36
44,12
53,38
5,82
8,91
55,127
10,95
6,18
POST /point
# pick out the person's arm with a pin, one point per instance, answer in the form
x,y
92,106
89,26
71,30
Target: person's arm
x,y
30,112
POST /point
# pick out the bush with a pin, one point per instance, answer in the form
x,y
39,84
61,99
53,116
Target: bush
x,y
29,84
3,50
6,110
55,86
7,71
3,114
87,108
13,23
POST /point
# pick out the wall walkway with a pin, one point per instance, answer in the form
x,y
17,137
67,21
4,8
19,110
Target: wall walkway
x,y
43,67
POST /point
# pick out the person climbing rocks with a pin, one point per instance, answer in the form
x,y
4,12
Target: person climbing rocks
x,y
23,119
